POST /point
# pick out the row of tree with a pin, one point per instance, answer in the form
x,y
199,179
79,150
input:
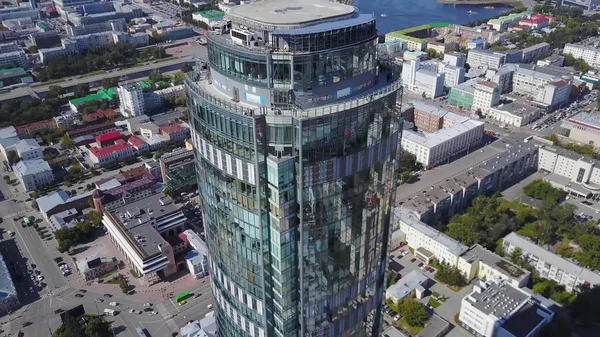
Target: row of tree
x,y
585,150
94,59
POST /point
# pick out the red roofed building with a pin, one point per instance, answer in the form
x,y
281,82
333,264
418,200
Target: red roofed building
x,y
108,138
138,144
175,132
134,174
537,21
92,130
31,128
99,116
118,151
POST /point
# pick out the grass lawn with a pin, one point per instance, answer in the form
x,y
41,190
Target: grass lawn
x,y
433,303
412,330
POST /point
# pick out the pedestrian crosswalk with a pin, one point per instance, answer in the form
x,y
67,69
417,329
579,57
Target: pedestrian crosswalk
x,y
55,292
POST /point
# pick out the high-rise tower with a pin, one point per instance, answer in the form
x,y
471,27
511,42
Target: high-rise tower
x,y
295,133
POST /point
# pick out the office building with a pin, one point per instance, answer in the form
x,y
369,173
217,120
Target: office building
x,y
45,39
285,85
146,232
461,96
432,149
428,118
455,59
453,76
515,113
131,98
549,265
423,81
485,96
17,12
512,56
503,77
485,58
495,308
590,55
196,259
552,60
546,89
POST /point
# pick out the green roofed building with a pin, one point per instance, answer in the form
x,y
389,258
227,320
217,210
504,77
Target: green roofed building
x,y
12,76
106,95
145,85
415,37
208,16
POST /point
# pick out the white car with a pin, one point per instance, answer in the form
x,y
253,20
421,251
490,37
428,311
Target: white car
x,y
114,304
132,311
152,313
147,304
40,278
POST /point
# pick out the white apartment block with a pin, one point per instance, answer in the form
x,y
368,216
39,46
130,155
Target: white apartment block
x,y
550,265
14,59
554,94
422,80
455,59
131,97
8,47
570,171
33,173
484,58
430,244
590,55
503,77
497,309
485,96
544,88
534,51
435,148
453,75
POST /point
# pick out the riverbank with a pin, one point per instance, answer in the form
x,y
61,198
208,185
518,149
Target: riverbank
x,y
513,3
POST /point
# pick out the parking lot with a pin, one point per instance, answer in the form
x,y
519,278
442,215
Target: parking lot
x,y
586,103
168,9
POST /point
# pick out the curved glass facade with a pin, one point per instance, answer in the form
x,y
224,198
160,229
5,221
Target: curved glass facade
x,y
296,201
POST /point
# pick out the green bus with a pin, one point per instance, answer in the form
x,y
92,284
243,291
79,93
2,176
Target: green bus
x,y
182,296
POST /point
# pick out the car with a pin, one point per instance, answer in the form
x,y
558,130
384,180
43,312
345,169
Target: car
x,y
107,295
82,291
98,300
148,309
58,311
197,295
413,260
397,317
40,278
31,290
29,271
26,324
210,306
147,304
132,311
79,295
431,270
420,264
181,303
153,313
114,304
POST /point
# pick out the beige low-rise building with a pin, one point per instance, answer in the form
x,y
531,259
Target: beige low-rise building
x,y
515,113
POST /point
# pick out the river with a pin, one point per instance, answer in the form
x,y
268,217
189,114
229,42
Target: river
x,y
408,13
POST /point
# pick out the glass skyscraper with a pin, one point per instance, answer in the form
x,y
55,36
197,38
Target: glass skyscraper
x,y
296,131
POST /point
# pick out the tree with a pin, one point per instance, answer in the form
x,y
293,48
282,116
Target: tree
x,y
408,161
32,50
12,157
516,255
413,312
107,83
167,191
186,68
34,205
405,176
542,190
450,275
82,89
96,327
66,141
71,328
544,288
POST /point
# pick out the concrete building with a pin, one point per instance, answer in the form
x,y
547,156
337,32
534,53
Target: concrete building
x,y
477,44
33,173
206,327
583,128
118,25
96,266
439,147
515,162
503,77
131,98
178,170
546,89
478,262
114,197
586,5
453,76
549,265
422,81
530,53
485,58
590,55
413,283
485,96
455,59
552,60
515,113
197,262
14,59
118,151
17,12
141,230
428,118
9,299
495,308
506,21
60,201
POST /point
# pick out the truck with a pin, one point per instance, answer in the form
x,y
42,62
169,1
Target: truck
x,y
110,312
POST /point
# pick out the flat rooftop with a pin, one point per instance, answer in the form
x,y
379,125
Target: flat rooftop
x,y
286,12
478,252
517,108
525,320
496,298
